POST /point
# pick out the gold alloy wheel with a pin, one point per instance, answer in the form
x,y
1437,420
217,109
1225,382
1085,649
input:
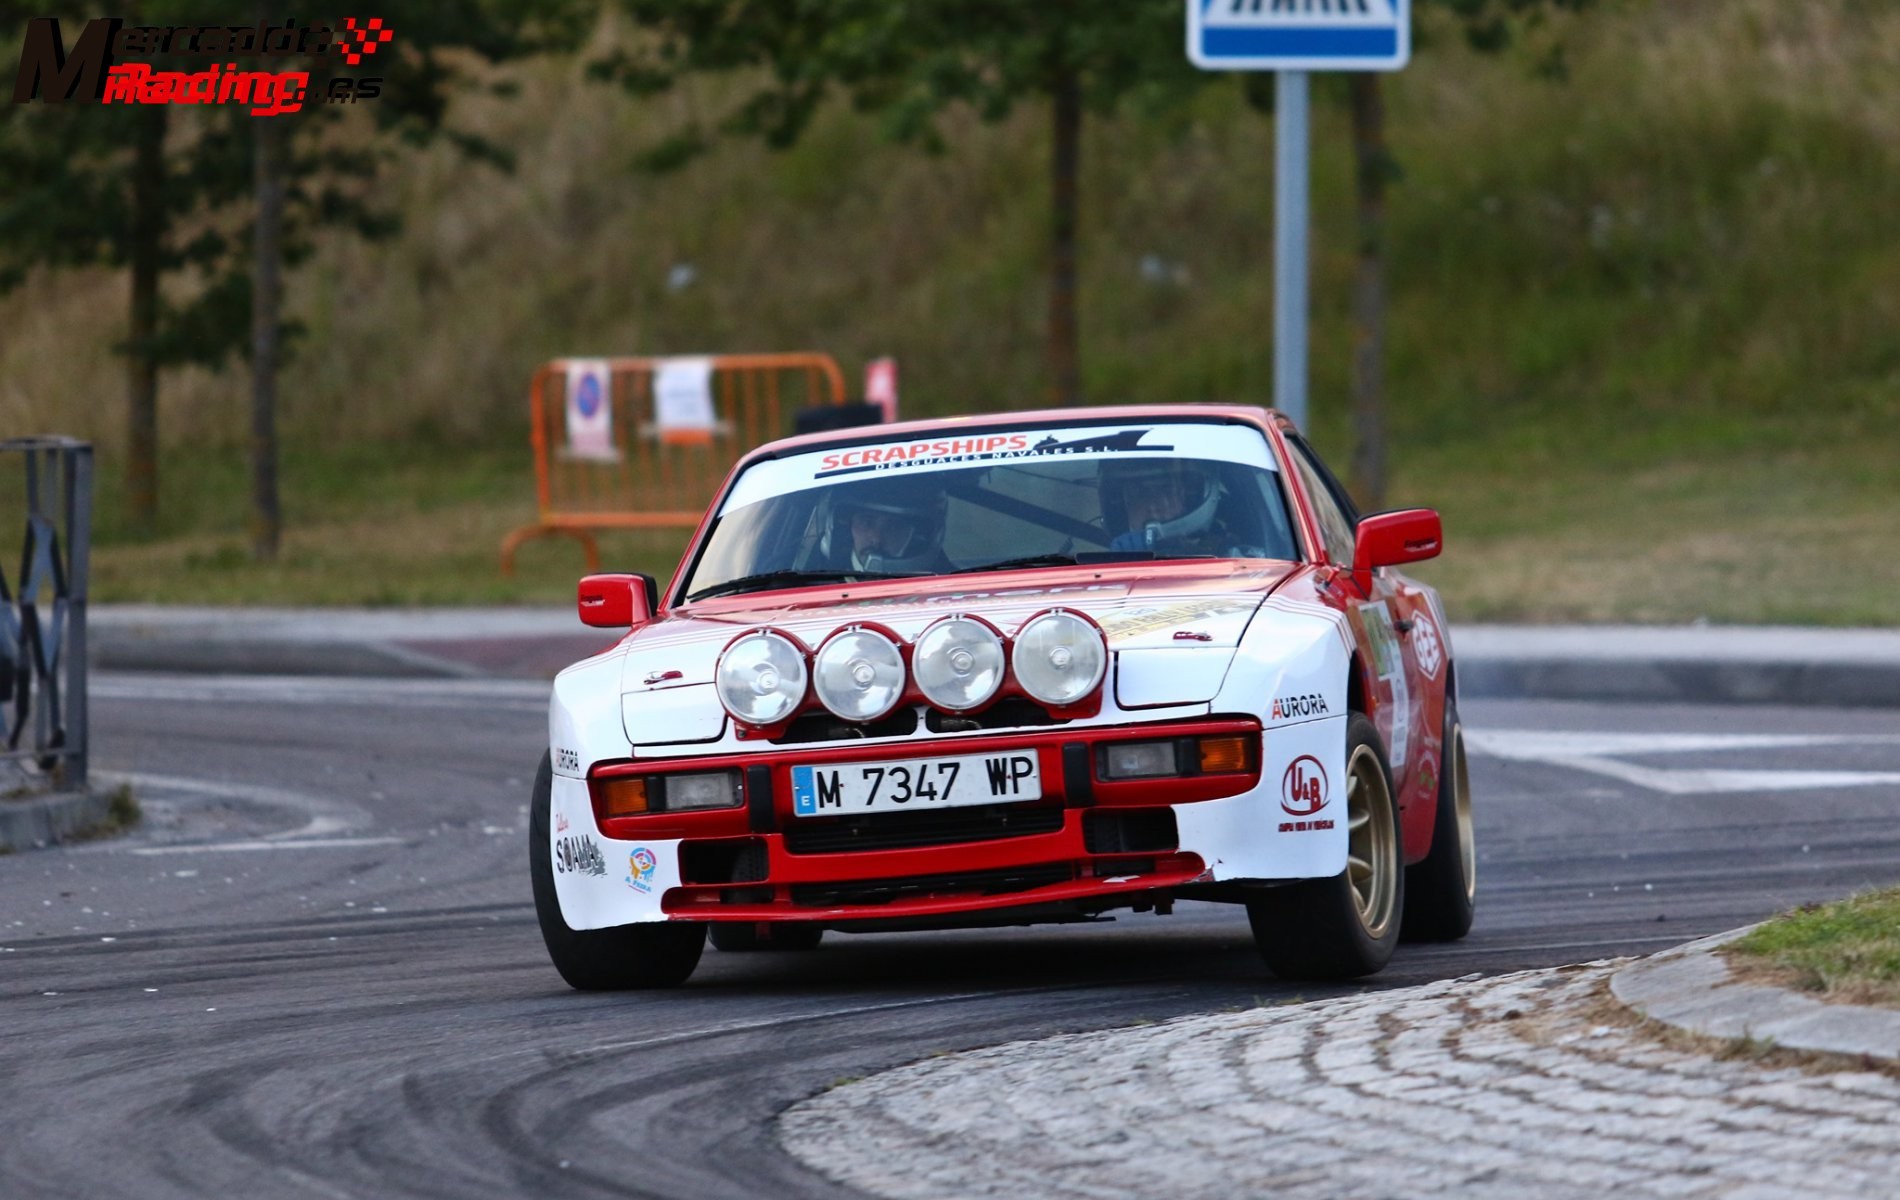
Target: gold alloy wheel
x,y
1372,845
1460,778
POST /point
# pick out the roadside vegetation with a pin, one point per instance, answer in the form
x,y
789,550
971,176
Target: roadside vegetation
x,y
1643,344
1847,952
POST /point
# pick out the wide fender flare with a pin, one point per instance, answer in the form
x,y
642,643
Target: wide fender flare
x,y
584,723
599,881
1291,670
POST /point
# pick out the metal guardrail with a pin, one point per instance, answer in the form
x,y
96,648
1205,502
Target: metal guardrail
x,y
43,623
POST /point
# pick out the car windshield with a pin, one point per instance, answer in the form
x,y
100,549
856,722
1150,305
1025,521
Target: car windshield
x,y
943,504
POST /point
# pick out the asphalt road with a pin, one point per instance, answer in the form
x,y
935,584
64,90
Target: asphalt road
x,y
315,971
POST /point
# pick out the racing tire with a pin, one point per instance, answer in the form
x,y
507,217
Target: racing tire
x,y
1347,925
735,937
656,955
1441,888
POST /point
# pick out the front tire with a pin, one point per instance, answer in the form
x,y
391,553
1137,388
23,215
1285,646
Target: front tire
x,y
1348,925
657,955
1441,889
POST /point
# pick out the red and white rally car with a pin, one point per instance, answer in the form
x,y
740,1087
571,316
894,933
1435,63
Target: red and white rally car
x,y
1005,669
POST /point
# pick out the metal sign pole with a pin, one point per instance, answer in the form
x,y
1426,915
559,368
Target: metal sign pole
x,y
1291,167
1291,39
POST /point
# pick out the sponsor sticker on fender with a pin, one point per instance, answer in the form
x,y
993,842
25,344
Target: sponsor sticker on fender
x,y
1287,707
641,863
1427,645
1303,789
1303,792
578,855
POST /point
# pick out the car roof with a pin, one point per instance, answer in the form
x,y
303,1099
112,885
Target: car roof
x,y
1042,416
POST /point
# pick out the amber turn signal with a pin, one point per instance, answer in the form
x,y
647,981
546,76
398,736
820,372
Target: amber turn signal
x,y
1225,755
624,797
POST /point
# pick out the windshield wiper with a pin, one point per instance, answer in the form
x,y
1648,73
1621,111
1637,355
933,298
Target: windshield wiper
x,y
1033,560
765,579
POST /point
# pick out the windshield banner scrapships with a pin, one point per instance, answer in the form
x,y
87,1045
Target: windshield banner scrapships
x,y
981,449
797,472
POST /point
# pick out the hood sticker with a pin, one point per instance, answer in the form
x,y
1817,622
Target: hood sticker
x,y
1129,623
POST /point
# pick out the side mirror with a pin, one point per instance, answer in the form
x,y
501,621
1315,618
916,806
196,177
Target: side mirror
x,y
1388,539
617,601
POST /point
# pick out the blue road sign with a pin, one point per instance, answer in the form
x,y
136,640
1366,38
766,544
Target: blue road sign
x,y
1299,35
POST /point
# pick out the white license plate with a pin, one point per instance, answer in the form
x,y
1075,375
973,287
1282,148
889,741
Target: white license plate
x,y
1001,778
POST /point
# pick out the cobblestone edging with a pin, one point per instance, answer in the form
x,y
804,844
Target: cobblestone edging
x,y
1497,1087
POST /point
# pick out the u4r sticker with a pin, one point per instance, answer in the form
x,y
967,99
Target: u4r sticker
x,y
1427,645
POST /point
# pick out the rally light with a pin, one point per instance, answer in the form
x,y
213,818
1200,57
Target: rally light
x,y
761,677
958,663
1059,658
1225,754
859,674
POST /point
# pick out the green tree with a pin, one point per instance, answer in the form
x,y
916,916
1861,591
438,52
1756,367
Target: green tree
x,y
1490,26
909,60
170,193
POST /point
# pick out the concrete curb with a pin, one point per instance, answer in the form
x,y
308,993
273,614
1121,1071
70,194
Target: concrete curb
x,y
396,643
231,656
1852,668
31,822
1835,685
1690,987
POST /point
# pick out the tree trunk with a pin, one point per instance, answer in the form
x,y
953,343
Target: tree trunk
x,y
267,135
147,229
1373,168
1066,151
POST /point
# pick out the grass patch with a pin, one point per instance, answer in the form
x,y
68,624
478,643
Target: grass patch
x,y
122,815
1847,952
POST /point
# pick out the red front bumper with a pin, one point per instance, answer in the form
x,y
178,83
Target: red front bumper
x,y
1087,844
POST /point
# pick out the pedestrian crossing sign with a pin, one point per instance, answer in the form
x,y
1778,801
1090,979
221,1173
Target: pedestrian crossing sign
x,y
1299,35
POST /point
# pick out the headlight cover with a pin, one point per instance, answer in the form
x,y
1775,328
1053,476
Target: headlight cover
x,y
958,663
1059,658
859,674
761,677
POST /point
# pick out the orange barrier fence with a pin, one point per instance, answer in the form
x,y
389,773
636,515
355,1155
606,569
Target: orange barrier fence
x,y
650,448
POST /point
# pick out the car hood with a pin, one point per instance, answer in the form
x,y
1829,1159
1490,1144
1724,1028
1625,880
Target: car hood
x,y
1184,607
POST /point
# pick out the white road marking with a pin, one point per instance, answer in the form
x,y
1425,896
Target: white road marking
x,y
493,695
1592,752
327,816
260,844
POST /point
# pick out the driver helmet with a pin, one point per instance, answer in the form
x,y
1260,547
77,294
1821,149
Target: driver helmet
x,y
1162,500
888,526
